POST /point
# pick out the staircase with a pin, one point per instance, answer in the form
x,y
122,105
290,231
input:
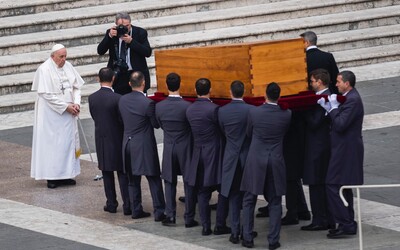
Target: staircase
x,y
364,36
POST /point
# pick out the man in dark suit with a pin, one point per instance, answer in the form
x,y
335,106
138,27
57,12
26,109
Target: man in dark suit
x,y
178,143
347,152
264,171
140,148
317,154
233,122
318,59
108,130
205,167
128,48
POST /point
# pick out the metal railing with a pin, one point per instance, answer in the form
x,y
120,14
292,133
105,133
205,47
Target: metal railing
x,y
357,187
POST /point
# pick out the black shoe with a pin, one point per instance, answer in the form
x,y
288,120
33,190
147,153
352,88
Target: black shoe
x,y
222,230
67,182
127,211
160,218
112,210
274,246
263,209
193,223
262,215
313,227
234,239
285,221
304,216
169,221
213,206
142,214
206,231
52,184
182,199
248,244
339,233
254,234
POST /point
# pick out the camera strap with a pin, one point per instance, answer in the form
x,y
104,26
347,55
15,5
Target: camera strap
x,y
120,54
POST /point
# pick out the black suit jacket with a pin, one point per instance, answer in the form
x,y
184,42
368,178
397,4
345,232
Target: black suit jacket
x,y
171,115
318,59
108,129
347,147
203,118
139,50
138,116
267,125
317,149
233,123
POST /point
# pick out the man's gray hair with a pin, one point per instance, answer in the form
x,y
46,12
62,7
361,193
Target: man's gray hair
x,y
122,15
310,37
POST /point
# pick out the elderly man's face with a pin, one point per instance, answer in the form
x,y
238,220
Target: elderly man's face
x,y
59,57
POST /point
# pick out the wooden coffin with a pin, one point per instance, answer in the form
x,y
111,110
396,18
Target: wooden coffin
x,y
255,64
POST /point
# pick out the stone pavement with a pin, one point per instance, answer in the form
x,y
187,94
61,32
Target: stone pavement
x,y
34,217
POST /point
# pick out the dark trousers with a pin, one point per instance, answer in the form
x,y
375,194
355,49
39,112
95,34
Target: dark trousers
x,y
190,202
295,200
109,189
274,206
203,198
344,216
135,190
319,205
121,83
235,202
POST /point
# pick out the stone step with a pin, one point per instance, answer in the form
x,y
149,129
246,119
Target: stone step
x,y
285,29
25,101
62,19
18,8
256,13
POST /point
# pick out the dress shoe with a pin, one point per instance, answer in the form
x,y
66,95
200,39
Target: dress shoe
x,y
234,239
127,211
274,246
52,184
67,182
169,221
160,218
304,216
285,221
314,227
248,244
253,235
339,233
182,199
206,231
112,210
142,214
264,209
222,230
213,206
262,215
193,223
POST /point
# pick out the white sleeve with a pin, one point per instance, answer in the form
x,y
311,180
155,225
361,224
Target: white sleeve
x,y
55,102
77,96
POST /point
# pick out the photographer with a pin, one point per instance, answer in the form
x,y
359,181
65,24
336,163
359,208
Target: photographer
x,y
128,48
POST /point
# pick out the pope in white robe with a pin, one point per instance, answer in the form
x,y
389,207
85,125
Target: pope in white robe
x,y
55,145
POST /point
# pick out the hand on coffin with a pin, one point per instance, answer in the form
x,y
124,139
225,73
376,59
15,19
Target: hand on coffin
x,y
333,101
326,105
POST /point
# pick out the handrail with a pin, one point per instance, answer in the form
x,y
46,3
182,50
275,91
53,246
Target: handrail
x,y
357,187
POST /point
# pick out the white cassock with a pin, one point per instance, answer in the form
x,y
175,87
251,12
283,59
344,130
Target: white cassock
x,y
55,144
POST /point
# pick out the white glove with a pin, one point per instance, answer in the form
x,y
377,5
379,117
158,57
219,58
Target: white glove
x,y
333,101
326,105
